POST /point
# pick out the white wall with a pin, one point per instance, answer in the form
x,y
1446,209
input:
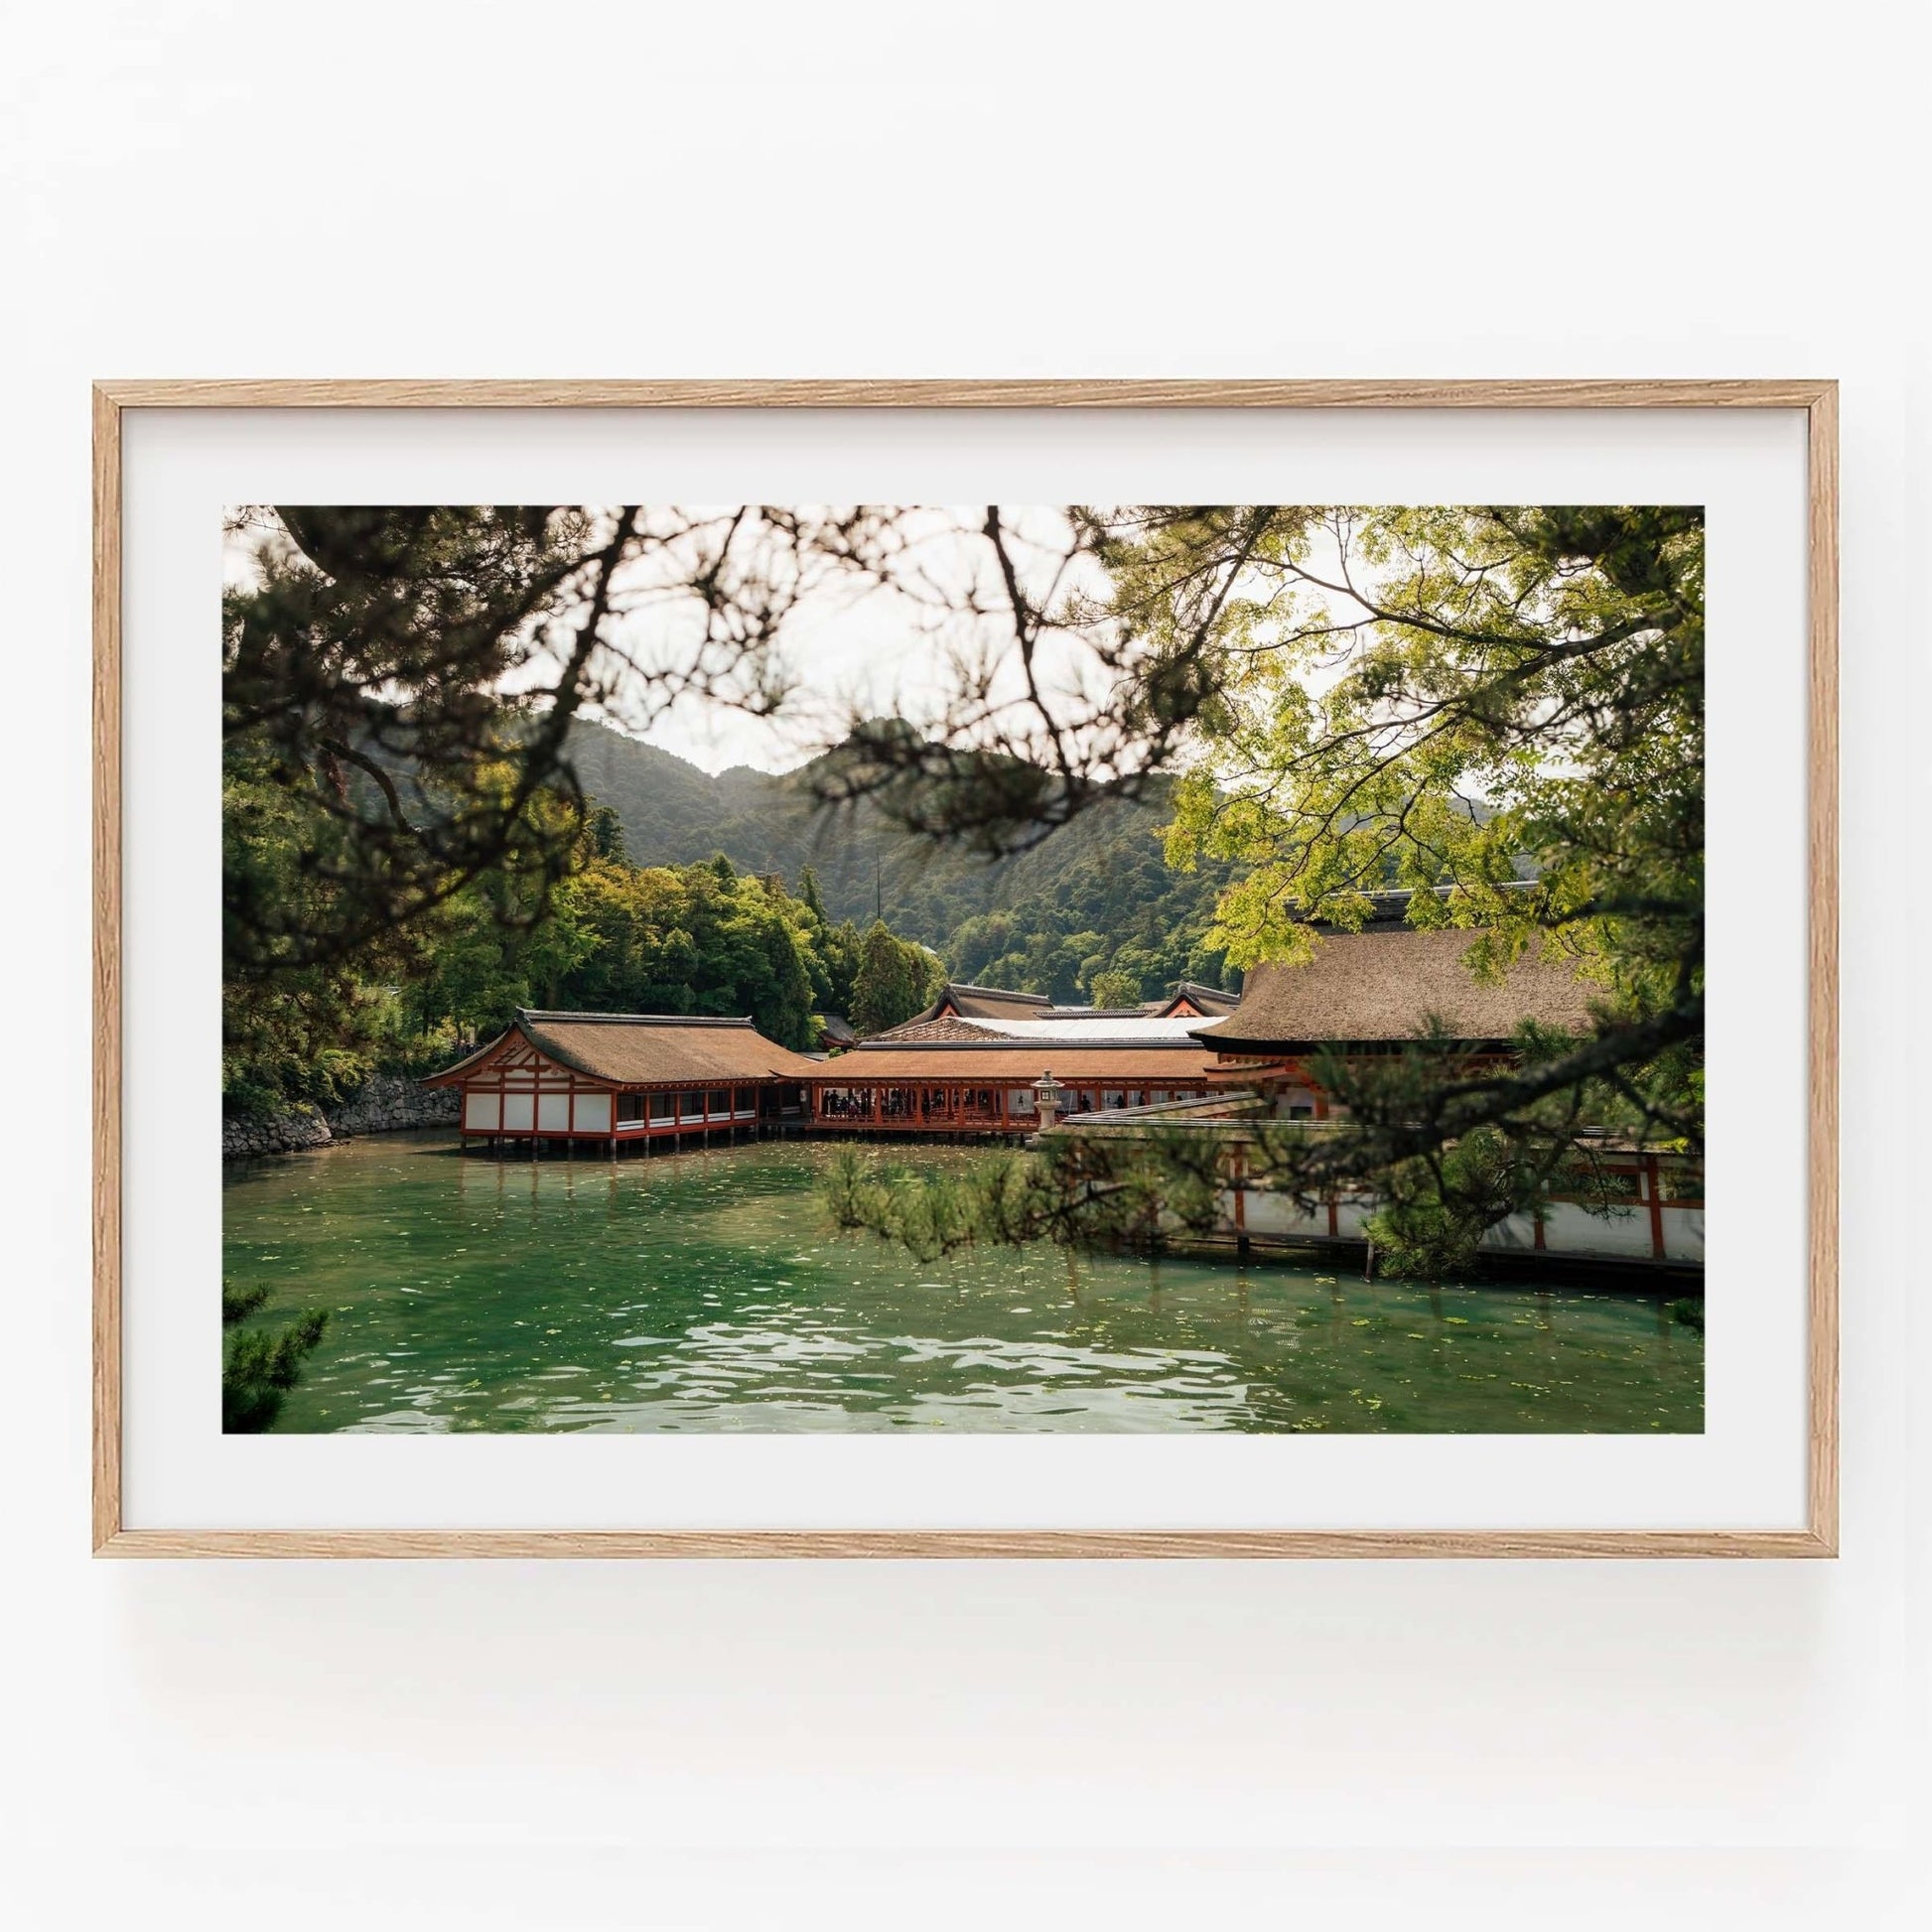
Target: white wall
x,y
1503,190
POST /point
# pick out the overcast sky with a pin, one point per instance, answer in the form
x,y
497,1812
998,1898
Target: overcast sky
x,y
875,652
871,653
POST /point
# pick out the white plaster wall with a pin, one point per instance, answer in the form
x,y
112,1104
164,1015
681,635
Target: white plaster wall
x,y
597,189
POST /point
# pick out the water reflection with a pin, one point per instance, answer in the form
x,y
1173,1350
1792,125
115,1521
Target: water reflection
x,y
706,1291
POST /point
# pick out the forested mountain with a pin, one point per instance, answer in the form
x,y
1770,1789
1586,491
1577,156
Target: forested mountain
x,y
1096,896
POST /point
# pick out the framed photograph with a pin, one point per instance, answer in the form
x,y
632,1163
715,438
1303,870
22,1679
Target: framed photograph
x,y
965,968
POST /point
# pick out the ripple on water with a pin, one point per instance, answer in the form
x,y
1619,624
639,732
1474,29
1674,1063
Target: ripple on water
x,y
708,1294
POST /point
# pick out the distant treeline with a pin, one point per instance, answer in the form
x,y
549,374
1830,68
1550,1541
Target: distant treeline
x,y
1097,898
612,936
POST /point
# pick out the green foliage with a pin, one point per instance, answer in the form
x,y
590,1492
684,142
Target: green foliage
x,y
697,939
624,938
1096,896
1131,1190
1516,733
1435,1213
895,981
841,1184
1003,1196
611,937
1115,989
1500,710
605,831
259,1366
364,672
1135,1192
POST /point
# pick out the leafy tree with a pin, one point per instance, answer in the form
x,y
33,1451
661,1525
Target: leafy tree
x,y
1516,735
363,677
605,830
386,664
1115,989
259,1366
894,981
1499,709
837,950
310,1032
841,950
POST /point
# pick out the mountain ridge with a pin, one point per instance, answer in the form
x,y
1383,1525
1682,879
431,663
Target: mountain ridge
x,y
1096,896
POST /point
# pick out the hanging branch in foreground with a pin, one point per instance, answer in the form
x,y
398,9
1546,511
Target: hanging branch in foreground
x,y
399,686
1498,710
1444,1153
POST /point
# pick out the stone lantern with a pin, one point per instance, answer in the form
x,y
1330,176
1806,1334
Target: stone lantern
x,y
1046,1097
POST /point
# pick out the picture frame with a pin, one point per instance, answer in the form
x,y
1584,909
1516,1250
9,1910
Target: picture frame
x,y
116,403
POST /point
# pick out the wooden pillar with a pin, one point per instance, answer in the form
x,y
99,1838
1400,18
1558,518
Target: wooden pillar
x,y
1238,1174
1655,1198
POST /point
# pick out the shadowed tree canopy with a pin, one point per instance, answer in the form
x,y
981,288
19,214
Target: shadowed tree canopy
x,y
1497,708
398,686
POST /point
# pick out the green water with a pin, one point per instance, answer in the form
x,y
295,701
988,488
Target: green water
x,y
708,1290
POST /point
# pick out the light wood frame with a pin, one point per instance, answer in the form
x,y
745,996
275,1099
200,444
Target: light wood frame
x,y
1819,399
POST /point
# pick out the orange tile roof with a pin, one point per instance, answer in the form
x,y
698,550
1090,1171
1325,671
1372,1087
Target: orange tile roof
x,y
1138,1063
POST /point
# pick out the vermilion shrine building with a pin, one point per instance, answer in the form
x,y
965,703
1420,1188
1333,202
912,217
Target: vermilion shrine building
x,y
970,1062
973,1063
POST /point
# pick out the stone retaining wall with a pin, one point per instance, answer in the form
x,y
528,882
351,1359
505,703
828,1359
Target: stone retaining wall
x,y
388,1103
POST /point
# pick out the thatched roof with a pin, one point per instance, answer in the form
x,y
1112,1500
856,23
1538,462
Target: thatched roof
x,y
642,1049
1387,986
